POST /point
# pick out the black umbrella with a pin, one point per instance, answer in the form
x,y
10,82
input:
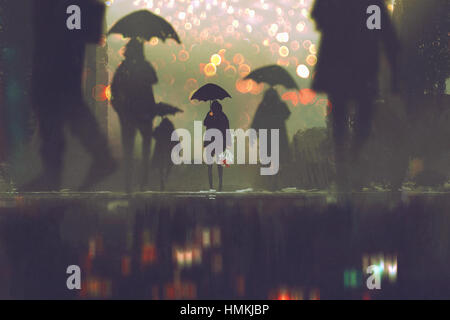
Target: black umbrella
x,y
144,24
163,109
210,92
273,75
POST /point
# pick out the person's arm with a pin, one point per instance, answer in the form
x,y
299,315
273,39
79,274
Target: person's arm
x,y
228,134
208,119
391,44
153,76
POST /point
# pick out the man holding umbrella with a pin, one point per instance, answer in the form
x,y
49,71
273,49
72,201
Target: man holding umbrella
x,y
132,86
272,113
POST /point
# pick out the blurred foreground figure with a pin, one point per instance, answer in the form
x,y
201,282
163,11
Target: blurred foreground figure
x,y
57,90
217,119
347,70
134,102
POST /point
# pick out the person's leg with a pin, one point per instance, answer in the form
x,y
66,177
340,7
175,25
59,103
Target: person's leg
x,y
210,176
363,123
84,126
146,145
162,177
362,130
220,169
128,132
52,151
340,127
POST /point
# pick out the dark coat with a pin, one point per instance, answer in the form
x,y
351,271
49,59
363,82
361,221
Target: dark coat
x,y
132,91
272,113
349,52
164,145
218,121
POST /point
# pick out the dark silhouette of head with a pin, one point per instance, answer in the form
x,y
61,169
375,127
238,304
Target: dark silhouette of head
x,y
216,107
134,49
166,123
271,94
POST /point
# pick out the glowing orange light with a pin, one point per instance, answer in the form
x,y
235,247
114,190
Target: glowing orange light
x,y
101,92
291,96
154,41
283,62
244,70
257,88
307,96
108,92
244,86
238,58
283,51
183,55
210,70
230,71
311,60
148,254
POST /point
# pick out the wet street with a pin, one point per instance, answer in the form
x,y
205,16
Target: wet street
x,y
224,245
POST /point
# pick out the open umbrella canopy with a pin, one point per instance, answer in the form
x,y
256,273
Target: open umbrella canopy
x,y
210,92
163,109
146,25
273,75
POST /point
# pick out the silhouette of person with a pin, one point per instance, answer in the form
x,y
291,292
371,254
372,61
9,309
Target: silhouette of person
x,y
272,113
57,96
134,102
216,119
161,160
347,70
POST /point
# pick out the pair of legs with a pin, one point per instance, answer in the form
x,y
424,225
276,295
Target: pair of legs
x,y
340,122
210,176
129,128
72,111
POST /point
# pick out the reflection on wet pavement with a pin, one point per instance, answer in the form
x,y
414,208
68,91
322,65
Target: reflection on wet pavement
x,y
248,246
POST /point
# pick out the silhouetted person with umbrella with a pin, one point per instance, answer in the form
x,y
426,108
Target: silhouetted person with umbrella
x,y
161,160
272,113
216,119
57,90
132,87
347,70
134,102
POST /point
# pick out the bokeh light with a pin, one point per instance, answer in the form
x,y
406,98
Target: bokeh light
x,y
303,71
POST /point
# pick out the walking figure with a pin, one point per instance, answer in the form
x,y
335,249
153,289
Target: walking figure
x,y
57,95
134,102
347,70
